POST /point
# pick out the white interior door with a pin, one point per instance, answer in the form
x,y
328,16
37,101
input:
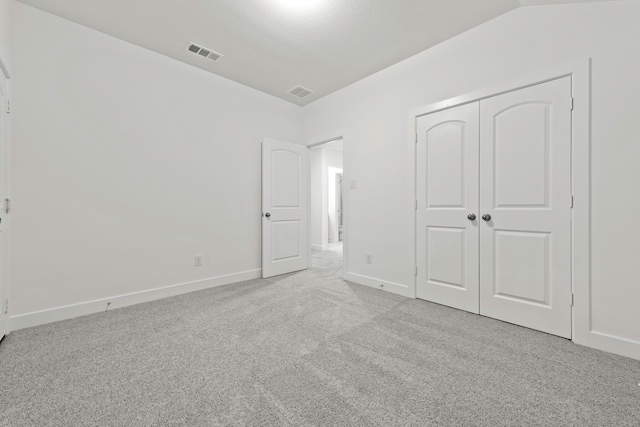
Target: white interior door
x,y
4,137
285,174
447,203
525,188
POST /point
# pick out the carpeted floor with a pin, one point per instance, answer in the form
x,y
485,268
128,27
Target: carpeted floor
x,y
306,349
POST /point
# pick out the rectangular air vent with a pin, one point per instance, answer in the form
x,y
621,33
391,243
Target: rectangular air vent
x,y
300,91
204,52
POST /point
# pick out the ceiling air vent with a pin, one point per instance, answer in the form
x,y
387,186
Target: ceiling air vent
x,y
300,91
204,52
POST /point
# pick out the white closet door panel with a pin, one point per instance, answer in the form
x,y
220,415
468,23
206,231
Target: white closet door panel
x,y
447,191
525,186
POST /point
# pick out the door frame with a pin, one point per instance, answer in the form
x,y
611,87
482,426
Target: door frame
x,y
580,73
4,192
317,142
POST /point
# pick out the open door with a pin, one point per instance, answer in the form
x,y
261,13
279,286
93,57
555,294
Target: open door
x,y
285,172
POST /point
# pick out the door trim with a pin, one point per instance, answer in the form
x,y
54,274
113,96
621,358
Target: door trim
x,y
580,73
4,69
5,81
316,142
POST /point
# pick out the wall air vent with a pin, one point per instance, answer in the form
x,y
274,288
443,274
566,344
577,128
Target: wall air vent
x,y
204,52
300,91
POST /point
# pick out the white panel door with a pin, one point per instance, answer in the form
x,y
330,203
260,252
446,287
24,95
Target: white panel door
x,y
285,172
525,204
447,202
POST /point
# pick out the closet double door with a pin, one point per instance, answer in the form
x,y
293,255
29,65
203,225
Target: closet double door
x,y
494,207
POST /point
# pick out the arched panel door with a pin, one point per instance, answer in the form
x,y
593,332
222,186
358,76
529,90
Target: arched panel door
x,y
447,203
494,207
285,174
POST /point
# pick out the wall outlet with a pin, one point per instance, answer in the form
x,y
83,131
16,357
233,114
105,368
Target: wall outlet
x,y
369,258
353,184
197,260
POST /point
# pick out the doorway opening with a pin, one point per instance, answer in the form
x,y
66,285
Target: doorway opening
x,y
327,205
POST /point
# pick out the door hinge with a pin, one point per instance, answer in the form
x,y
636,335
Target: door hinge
x,y
571,299
416,139
6,305
7,205
416,204
416,272
8,107
572,104
572,200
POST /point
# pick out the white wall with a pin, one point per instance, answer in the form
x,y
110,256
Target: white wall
x,y
126,164
5,57
374,112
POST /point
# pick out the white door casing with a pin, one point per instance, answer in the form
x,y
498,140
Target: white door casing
x,y
4,136
447,193
285,174
525,186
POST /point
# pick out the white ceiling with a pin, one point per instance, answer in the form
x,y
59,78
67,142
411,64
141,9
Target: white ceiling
x,y
274,45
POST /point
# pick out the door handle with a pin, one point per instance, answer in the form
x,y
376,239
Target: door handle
x,y
471,216
267,214
486,217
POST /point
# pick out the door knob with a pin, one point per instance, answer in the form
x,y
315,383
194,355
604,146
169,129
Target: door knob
x,y
486,217
471,216
267,214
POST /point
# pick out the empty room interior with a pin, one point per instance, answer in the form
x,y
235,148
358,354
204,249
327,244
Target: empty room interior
x,y
320,212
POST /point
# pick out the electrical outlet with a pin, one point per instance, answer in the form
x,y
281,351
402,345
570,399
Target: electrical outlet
x,y
197,260
369,258
353,184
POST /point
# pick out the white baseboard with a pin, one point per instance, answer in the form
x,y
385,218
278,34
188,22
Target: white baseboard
x,y
372,282
614,344
36,318
320,247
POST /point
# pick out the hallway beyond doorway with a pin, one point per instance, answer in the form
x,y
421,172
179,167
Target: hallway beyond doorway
x,y
329,259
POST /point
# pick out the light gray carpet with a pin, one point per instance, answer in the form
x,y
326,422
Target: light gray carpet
x,y
306,349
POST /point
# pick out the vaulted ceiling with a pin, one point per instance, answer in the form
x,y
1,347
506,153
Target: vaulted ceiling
x,y
275,45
